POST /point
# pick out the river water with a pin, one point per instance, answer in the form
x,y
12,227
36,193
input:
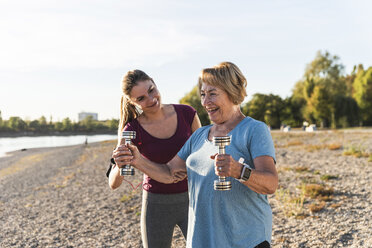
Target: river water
x,y
17,143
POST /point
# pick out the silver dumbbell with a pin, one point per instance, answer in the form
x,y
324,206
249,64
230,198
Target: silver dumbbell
x,y
127,170
221,142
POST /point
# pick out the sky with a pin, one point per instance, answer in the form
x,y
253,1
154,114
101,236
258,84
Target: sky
x,y
59,58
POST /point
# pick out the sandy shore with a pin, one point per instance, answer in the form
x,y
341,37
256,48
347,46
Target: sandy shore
x,y
59,197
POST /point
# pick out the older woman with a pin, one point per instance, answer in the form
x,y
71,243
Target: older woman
x,y
240,217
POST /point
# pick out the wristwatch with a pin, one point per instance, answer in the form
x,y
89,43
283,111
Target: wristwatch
x,y
246,172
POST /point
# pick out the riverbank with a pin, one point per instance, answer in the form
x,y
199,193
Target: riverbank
x,y
59,197
54,133
23,143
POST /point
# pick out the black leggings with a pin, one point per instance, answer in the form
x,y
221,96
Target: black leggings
x,y
160,215
264,244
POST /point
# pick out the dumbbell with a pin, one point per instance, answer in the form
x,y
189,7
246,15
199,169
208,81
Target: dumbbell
x,y
221,142
126,138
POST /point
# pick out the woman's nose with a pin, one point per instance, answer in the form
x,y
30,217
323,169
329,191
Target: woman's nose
x,y
204,100
152,99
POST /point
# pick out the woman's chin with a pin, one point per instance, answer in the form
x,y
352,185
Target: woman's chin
x,y
213,116
213,119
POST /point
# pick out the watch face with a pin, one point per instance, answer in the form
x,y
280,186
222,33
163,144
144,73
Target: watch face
x,y
246,174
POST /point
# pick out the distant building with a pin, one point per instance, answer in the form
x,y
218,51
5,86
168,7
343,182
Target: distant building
x,y
84,115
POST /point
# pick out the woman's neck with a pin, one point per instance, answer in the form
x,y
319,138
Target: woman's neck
x,y
154,116
222,129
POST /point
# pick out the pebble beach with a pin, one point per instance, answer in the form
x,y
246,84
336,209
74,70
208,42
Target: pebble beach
x,y
59,197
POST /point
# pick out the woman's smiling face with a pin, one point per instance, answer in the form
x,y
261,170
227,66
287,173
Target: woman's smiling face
x,y
216,102
146,95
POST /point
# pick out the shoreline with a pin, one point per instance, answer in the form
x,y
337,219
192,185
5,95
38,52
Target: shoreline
x,y
41,149
9,145
56,133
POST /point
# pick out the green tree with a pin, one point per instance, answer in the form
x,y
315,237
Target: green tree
x,y
266,108
362,87
15,123
34,125
296,104
193,99
58,126
43,124
349,80
320,105
292,111
113,124
317,91
346,111
256,107
326,70
88,123
66,124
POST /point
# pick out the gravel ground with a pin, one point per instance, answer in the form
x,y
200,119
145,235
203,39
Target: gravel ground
x,y
59,197
343,216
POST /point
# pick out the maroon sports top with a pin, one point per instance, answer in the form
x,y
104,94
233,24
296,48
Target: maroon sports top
x,y
163,150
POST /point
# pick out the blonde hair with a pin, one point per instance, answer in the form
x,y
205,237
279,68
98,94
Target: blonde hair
x,y
128,111
228,77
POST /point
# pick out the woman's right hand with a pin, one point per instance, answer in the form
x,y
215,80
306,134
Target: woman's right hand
x,y
124,156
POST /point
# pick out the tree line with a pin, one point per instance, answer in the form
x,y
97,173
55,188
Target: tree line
x,y
324,96
16,125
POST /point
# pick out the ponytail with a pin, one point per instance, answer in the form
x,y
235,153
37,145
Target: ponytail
x,y
128,112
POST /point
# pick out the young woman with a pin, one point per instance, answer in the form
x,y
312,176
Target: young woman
x,y
161,131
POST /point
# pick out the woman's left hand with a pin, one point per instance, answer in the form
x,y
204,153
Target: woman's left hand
x,y
226,166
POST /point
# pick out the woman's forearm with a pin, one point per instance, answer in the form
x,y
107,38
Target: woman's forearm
x,y
262,182
115,180
264,178
159,172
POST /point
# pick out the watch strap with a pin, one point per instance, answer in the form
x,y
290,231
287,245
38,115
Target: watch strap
x,y
112,163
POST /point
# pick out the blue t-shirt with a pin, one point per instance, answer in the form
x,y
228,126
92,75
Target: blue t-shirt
x,y
239,217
